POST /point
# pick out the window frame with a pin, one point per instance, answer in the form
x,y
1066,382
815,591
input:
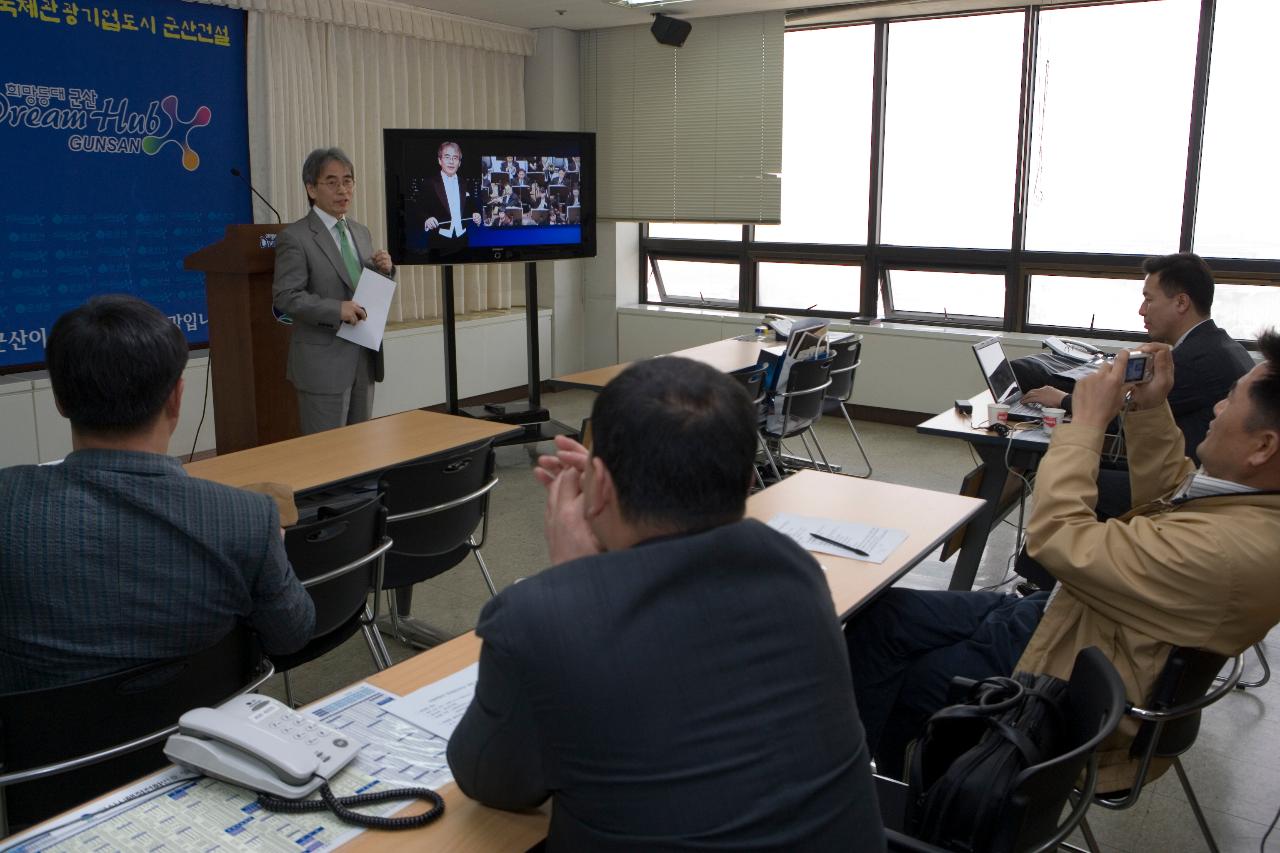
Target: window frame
x,y
877,260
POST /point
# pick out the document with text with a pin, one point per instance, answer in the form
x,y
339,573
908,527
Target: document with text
x,y
438,707
848,539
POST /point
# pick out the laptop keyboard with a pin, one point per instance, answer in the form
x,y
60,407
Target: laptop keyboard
x,y
1026,410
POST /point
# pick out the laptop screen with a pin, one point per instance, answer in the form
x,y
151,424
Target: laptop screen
x,y
996,370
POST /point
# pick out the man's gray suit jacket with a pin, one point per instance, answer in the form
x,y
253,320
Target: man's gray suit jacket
x,y
311,283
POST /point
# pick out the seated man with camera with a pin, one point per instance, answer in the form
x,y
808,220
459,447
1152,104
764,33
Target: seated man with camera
x,y
1192,565
1177,299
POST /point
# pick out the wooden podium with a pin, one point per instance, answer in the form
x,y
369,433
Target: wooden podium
x,y
253,403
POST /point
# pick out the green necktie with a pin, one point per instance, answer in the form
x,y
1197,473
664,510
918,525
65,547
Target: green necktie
x,y
348,254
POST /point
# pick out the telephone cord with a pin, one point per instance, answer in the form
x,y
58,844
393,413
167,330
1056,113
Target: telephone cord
x,y
341,806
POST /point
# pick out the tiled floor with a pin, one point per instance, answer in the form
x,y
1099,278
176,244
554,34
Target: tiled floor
x,y
1235,766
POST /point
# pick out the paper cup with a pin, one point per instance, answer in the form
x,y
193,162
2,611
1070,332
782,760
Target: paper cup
x,y
997,413
1052,417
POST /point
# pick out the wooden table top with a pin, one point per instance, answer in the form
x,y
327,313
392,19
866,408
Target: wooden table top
x,y
726,356
324,458
927,516
466,825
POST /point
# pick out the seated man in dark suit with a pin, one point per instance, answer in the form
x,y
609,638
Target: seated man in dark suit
x,y
673,682
115,557
1177,298
1193,565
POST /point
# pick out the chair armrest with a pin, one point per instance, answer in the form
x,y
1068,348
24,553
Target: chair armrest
x,y
119,749
382,548
456,502
802,391
1198,704
848,369
1082,799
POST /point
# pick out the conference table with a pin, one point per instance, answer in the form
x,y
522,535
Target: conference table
x,y
726,356
348,453
928,518
995,485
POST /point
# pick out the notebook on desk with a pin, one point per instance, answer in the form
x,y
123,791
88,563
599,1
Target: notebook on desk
x,y
1003,385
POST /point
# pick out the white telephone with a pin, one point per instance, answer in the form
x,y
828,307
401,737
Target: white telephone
x,y
261,744
1077,351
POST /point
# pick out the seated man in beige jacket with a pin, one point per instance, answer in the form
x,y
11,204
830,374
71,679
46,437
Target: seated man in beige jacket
x,y
1194,564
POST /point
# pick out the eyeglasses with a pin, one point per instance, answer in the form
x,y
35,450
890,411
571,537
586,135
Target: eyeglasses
x,y
452,158
332,184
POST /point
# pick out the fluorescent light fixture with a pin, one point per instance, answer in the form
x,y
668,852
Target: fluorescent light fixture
x,y
644,4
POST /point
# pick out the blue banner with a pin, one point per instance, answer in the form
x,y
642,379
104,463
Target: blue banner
x,y
119,125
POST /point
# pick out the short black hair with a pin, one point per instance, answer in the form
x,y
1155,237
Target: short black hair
x,y
113,362
314,165
679,439
1265,391
1184,272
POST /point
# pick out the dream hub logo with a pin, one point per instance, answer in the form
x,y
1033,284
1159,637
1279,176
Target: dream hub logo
x,y
151,145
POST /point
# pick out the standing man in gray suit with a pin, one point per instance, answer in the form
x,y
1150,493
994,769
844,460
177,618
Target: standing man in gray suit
x,y
318,263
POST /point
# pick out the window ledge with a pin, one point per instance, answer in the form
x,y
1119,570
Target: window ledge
x,y
906,330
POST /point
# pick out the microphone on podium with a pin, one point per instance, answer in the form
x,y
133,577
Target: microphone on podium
x,y
237,173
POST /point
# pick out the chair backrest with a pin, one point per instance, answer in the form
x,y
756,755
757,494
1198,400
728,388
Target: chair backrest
x,y
1096,703
436,505
752,379
848,355
802,404
57,724
1187,676
319,549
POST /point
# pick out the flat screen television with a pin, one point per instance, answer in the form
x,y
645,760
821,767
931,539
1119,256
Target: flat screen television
x,y
489,196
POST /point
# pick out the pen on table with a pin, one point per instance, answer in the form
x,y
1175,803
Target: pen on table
x,y
839,544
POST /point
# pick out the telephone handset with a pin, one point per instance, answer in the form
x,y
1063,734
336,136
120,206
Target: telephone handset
x,y
261,744
1077,351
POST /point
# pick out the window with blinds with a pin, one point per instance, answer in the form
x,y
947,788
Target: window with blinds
x,y
690,134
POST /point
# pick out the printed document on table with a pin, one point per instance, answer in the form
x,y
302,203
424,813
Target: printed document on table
x,y
877,542
373,294
438,707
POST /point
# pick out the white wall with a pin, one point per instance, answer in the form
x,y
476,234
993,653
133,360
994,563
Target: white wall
x,y
552,102
491,357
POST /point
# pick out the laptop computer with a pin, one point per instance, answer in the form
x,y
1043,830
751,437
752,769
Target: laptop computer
x,y
1002,382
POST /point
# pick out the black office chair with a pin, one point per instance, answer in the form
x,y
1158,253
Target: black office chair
x,y
339,559
848,354
436,507
800,407
1030,818
110,730
752,379
1170,723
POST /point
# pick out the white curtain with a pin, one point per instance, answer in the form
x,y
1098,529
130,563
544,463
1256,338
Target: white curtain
x,y
337,72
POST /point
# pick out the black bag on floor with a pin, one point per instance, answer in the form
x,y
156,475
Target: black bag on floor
x,y
964,768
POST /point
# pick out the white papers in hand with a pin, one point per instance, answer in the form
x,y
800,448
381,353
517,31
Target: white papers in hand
x,y
373,294
439,706
877,542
